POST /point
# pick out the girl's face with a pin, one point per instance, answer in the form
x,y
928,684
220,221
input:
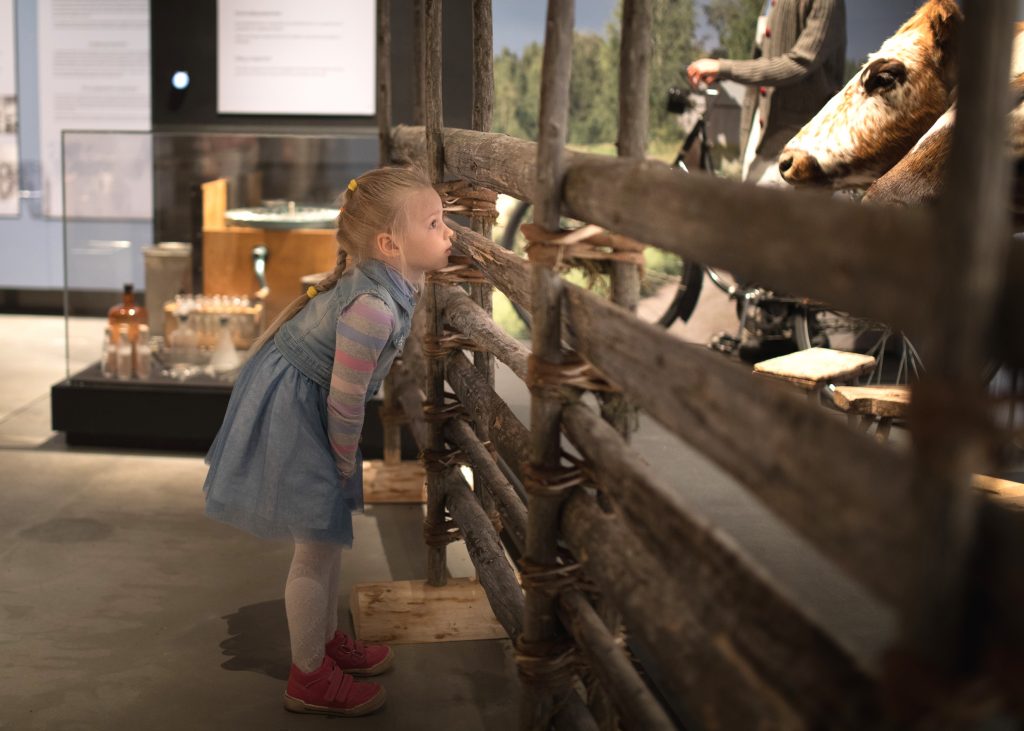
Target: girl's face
x,y
427,240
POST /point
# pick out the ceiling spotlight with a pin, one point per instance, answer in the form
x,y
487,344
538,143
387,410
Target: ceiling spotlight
x,y
180,80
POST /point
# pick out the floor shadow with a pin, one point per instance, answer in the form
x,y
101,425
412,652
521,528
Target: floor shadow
x,y
258,640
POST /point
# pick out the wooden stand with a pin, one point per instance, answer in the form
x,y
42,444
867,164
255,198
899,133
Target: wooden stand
x,y
812,369
227,254
874,404
408,612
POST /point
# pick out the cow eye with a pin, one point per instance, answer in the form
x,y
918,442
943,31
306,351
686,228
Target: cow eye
x,y
883,80
882,75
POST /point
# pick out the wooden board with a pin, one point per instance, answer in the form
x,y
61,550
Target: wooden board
x,y
404,482
215,202
292,254
409,612
1006,492
813,367
885,401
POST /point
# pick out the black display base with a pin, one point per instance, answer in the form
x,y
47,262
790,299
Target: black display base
x,y
166,414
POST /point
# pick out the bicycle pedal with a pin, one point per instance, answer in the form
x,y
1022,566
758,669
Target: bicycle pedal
x,y
724,343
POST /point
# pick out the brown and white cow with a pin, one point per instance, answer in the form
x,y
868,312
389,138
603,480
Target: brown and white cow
x,y
885,109
919,176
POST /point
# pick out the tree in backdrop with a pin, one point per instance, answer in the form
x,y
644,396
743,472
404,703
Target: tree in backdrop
x,y
735,22
593,91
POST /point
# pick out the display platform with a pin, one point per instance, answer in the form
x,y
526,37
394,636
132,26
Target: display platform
x,y
166,414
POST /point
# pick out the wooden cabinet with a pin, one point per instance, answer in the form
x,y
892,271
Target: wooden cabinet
x,y
228,261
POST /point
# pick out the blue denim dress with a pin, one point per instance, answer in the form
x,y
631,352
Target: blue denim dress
x,y
272,471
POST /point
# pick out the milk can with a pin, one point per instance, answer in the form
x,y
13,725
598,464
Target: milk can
x,y
168,272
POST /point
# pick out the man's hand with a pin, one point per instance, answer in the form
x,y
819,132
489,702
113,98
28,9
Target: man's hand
x,y
703,69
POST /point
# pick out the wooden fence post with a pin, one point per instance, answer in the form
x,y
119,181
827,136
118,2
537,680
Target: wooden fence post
x,y
483,294
540,646
949,416
390,415
434,523
634,79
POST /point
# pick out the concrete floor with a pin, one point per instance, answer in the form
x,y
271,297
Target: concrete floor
x,y
122,606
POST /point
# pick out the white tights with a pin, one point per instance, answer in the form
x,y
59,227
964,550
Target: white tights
x,y
311,601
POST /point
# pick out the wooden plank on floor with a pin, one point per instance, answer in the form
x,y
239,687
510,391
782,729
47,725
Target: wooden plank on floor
x,y
409,612
404,482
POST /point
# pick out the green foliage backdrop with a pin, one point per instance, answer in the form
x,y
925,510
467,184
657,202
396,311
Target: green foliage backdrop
x,y
593,110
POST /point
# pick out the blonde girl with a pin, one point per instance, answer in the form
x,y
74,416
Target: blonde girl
x,y
286,462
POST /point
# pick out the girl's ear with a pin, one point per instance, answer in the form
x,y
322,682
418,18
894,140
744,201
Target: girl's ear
x,y
387,245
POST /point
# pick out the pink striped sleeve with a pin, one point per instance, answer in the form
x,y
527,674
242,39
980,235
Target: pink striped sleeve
x,y
363,329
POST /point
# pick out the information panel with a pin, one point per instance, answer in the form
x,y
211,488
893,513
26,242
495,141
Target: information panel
x,y
94,75
298,57
9,186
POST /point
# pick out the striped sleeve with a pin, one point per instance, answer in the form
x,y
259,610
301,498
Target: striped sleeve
x,y
363,330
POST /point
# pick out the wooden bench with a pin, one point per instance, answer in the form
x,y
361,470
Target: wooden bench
x,y
812,369
873,404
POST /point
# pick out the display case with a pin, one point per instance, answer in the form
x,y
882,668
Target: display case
x,y
185,247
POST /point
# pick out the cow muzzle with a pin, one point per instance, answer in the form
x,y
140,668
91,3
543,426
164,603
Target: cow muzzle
x,y
801,168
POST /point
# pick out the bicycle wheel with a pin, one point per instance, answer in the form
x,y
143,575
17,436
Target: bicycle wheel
x,y
509,241
896,359
669,289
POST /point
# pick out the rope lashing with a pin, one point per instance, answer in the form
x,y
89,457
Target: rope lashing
x,y
441,534
572,371
550,580
547,664
460,270
441,460
467,199
440,347
451,409
554,482
559,249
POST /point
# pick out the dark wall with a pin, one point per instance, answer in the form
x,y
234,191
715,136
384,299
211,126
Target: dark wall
x,y
184,36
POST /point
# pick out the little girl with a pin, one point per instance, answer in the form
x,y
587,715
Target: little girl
x,y
286,462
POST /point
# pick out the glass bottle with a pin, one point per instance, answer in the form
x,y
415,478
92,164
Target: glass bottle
x,y
125,357
183,341
143,355
128,313
225,357
108,356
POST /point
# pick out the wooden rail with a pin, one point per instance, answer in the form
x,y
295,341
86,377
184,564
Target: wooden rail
x,y
725,641
693,216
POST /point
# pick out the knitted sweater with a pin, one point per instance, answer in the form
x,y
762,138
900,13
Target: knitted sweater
x,y
800,67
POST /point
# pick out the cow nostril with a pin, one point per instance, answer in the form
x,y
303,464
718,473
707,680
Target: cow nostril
x,y
785,162
813,166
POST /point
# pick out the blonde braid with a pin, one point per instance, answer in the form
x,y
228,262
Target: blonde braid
x,y
370,204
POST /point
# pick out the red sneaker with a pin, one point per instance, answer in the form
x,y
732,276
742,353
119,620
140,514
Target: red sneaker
x,y
331,691
359,658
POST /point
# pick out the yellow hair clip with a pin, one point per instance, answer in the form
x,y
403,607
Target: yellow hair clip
x,y
311,292
353,184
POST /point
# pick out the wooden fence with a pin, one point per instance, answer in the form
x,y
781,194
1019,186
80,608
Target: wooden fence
x,y
605,547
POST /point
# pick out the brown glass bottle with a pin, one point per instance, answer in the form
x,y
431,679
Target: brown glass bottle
x,y
130,315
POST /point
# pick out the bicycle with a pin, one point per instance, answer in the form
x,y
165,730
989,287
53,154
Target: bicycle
x,y
770,318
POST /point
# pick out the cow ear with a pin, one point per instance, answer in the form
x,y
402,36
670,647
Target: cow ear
x,y
945,19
